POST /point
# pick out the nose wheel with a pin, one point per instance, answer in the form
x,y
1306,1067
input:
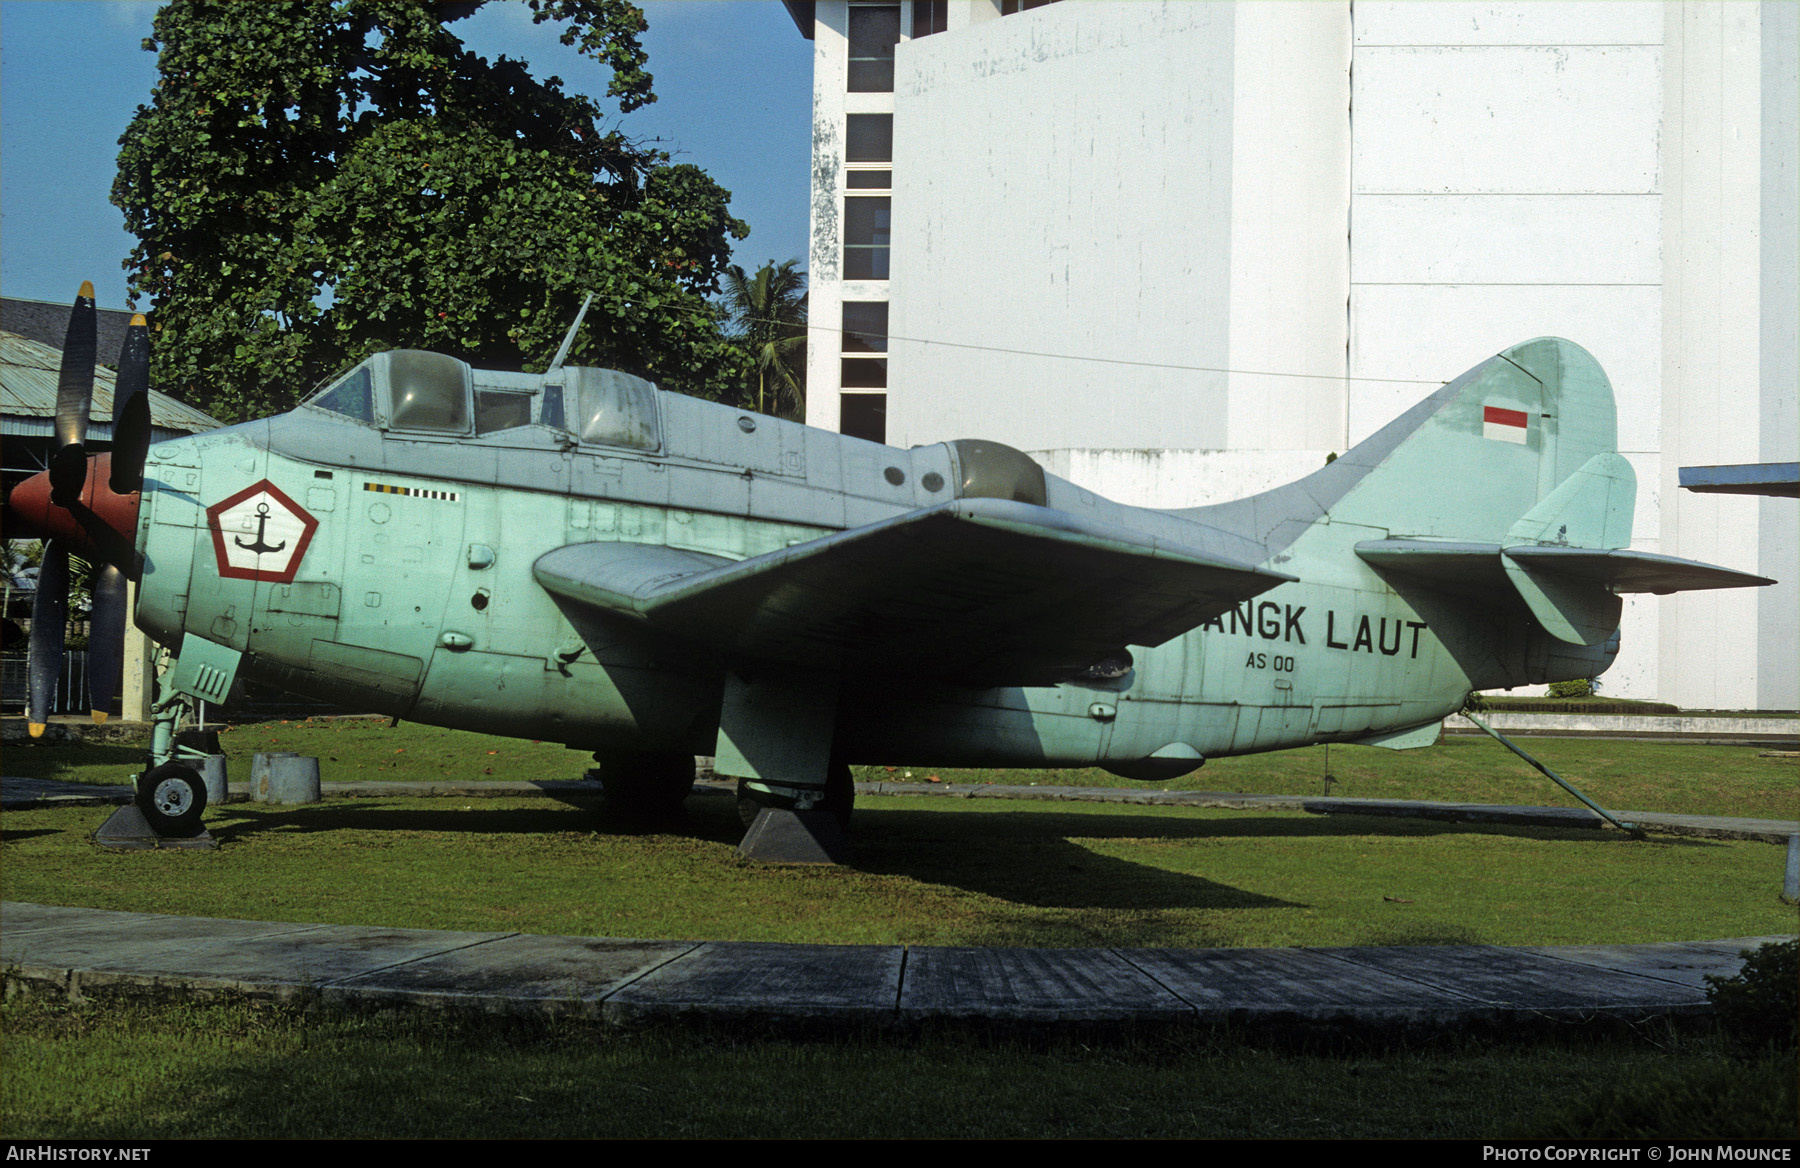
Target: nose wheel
x,y
172,798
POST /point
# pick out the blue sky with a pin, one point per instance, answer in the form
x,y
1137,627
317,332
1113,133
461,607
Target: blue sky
x,y
733,85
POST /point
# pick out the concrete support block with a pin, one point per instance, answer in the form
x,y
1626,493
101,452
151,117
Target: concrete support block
x,y
212,771
282,776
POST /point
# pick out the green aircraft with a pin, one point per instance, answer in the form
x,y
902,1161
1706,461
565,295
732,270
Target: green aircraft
x,y
576,556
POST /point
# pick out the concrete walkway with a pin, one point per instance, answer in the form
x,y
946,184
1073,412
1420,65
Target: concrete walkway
x,y
1364,992
89,953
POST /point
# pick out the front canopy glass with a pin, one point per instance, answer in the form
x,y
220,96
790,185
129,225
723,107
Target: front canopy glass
x,y
410,390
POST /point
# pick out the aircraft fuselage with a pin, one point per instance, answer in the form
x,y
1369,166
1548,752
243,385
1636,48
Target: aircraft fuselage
x,y
389,569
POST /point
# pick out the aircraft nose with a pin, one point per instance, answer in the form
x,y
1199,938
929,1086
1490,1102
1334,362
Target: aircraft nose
x,y
97,525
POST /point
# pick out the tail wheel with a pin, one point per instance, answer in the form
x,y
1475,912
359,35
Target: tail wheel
x,y
172,798
840,798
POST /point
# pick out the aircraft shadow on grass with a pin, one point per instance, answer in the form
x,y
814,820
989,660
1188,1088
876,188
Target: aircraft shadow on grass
x,y
1044,859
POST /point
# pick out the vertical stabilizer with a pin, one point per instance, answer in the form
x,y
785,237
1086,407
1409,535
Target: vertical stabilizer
x,y
1464,464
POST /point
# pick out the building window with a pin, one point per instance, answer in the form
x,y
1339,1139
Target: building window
x,y
865,342
1013,7
865,345
863,415
869,152
865,326
930,16
869,138
874,31
866,233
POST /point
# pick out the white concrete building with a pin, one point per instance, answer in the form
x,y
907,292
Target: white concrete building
x,y
1181,251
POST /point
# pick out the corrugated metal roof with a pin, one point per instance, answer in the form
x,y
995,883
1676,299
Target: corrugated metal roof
x,y
28,373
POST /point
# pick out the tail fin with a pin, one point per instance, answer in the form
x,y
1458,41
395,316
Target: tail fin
x,y
1488,448
1465,464
1507,480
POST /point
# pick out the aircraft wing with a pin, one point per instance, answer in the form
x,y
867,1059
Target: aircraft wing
x,y
975,592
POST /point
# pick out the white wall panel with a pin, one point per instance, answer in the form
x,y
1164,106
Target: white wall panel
x,y
1506,239
1523,22
1179,478
1062,229
1506,120
1712,360
1290,263
1634,673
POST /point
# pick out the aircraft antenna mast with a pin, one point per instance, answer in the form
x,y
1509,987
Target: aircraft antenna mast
x,y
569,337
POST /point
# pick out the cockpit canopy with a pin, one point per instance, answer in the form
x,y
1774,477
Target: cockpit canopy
x,y
412,391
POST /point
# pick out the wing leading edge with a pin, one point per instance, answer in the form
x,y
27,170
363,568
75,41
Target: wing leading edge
x,y
975,592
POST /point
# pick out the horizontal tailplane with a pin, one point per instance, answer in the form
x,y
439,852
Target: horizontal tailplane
x,y
1572,591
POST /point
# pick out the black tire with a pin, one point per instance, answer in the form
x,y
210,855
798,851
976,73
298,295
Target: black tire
x,y
647,785
172,798
840,798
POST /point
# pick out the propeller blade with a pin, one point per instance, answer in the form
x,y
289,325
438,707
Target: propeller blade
x,y
49,620
131,410
74,397
106,640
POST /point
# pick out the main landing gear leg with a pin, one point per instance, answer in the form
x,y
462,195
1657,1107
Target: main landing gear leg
x,y
775,730
170,793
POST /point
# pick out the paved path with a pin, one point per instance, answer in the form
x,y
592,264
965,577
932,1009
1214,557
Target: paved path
x,y
83,953
89,953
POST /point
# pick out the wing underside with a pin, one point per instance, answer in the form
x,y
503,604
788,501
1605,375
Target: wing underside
x,y
973,592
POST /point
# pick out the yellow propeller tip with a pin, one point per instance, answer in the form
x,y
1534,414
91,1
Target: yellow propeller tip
x,y
137,319
99,716
87,289
36,728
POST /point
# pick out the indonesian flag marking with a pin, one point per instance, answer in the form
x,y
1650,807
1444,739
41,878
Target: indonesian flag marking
x,y
1506,425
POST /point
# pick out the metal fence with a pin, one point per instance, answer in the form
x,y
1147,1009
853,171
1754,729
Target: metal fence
x,y
71,685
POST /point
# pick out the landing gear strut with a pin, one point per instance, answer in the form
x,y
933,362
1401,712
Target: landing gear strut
x,y
776,727
838,801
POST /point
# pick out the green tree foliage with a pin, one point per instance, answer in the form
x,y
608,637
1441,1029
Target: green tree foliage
x,y
767,318
318,180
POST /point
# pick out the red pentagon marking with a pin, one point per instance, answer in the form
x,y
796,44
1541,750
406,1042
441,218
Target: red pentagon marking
x,y
260,534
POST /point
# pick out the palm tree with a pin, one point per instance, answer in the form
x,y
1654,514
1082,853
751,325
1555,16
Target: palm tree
x,y
767,317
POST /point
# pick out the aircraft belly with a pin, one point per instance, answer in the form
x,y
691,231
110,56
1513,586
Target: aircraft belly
x,y
581,704
1041,726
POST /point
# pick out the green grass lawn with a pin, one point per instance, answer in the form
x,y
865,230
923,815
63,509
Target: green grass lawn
x,y
1621,773
927,872
130,1072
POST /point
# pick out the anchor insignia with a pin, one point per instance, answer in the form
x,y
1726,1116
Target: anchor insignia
x,y
260,547
260,557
